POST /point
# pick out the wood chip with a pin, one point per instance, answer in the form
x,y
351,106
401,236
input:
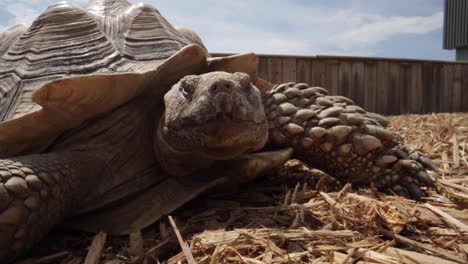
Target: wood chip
x,y
440,253
452,220
421,258
46,259
95,250
185,248
136,244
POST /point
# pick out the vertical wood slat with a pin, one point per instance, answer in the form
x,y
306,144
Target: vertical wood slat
x,y
437,86
429,97
464,89
345,79
457,89
332,82
370,86
303,73
393,88
318,73
384,86
417,93
357,82
447,88
404,88
289,69
263,68
275,68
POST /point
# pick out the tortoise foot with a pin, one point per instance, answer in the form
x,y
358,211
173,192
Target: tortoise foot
x,y
333,134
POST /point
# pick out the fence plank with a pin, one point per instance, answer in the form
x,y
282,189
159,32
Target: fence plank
x,y
318,73
304,71
289,70
393,88
437,86
263,68
386,86
464,89
447,89
357,83
370,86
416,103
457,88
275,70
382,87
404,88
332,81
429,97
345,79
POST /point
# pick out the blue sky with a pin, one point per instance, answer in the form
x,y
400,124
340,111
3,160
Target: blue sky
x,y
380,28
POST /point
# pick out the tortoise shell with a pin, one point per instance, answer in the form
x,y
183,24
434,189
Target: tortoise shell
x,y
74,63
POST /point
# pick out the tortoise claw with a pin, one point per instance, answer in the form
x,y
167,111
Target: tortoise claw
x,y
414,191
427,163
425,178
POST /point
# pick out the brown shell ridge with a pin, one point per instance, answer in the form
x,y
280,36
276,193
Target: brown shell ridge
x,y
10,36
146,35
54,46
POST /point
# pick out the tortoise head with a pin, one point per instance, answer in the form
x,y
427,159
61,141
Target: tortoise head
x,y
216,115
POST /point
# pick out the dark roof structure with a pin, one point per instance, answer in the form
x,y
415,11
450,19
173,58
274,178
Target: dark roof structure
x,y
456,24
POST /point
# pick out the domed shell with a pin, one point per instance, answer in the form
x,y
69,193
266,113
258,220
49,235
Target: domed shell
x,y
73,63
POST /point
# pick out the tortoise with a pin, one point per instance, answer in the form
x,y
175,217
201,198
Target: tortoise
x,y
111,118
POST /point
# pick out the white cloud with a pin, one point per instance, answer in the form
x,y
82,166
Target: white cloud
x,y
22,13
380,28
291,28
278,26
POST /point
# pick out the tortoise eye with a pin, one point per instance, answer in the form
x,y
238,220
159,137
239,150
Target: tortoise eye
x,y
186,90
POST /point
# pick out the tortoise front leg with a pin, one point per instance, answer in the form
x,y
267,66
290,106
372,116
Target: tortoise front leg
x,y
335,135
38,191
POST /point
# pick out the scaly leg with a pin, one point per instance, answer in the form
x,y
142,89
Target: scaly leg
x,y
36,192
333,134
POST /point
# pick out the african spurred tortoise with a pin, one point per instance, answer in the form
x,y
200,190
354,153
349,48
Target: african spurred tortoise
x,y
111,118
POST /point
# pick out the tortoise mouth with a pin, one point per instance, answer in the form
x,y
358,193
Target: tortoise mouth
x,y
219,139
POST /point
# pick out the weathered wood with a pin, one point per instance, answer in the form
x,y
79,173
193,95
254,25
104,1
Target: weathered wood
x,y
370,86
357,83
385,86
437,86
274,70
382,87
429,97
404,88
345,79
303,73
332,80
289,70
457,88
318,73
263,68
96,248
393,88
447,89
464,88
417,93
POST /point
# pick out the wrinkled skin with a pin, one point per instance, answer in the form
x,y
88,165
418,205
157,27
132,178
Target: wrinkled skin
x,y
215,116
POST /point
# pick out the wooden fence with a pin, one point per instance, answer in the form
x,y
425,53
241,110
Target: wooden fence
x,y
382,85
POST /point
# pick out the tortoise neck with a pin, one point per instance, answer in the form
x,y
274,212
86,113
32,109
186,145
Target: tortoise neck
x,y
174,162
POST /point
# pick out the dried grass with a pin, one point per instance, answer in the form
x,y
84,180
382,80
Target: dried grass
x,y
301,215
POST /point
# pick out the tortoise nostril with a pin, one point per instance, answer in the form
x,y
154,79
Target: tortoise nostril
x,y
222,86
